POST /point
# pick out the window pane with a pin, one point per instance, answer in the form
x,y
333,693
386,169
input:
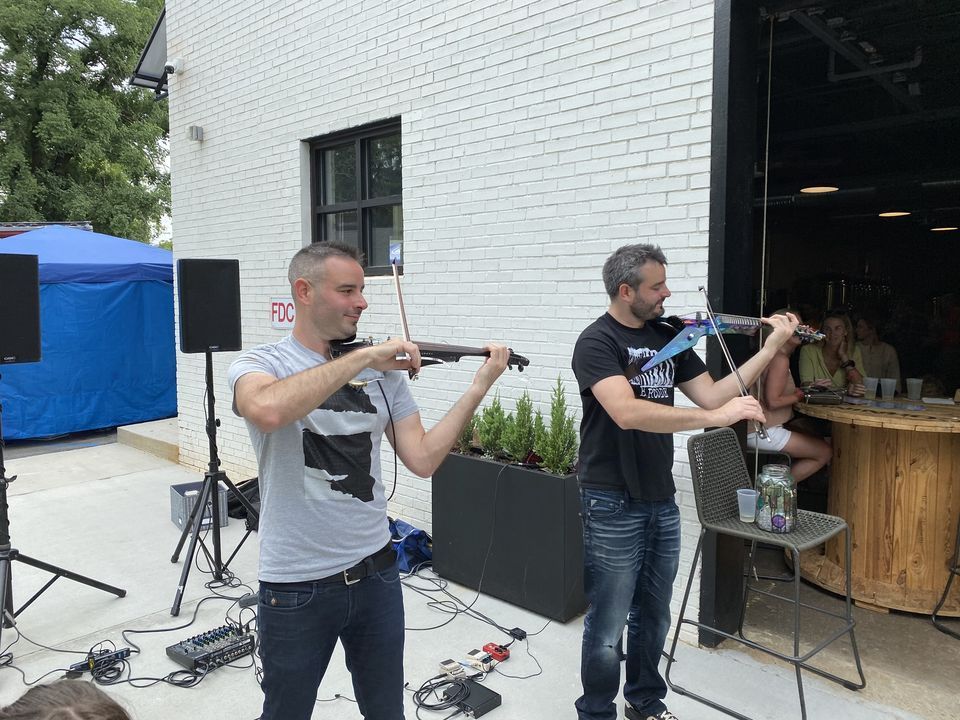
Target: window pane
x,y
341,227
386,229
340,174
385,166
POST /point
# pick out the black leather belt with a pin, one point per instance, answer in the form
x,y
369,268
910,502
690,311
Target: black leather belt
x,y
380,560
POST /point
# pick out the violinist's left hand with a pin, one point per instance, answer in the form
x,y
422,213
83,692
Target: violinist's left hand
x,y
784,328
493,366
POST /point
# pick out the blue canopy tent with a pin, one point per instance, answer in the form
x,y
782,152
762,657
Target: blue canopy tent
x,y
107,336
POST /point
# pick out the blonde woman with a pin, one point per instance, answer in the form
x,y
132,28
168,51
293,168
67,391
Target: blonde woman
x,y
836,361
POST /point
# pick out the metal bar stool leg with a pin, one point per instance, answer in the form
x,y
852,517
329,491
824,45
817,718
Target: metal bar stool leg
x,y
671,658
795,554
751,570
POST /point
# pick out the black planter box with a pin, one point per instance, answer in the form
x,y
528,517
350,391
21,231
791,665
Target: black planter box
x,y
530,522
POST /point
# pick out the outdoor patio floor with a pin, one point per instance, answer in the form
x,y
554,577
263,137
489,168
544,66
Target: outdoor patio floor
x,y
103,510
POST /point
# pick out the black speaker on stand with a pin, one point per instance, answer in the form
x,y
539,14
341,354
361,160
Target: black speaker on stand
x,y
20,343
208,293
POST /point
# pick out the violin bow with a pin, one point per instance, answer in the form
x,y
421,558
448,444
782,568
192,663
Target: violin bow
x,y
758,426
433,353
404,328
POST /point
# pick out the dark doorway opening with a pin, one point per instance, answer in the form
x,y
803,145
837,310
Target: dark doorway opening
x,y
863,97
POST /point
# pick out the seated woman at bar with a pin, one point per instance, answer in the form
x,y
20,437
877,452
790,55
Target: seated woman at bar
x,y
778,393
836,361
879,358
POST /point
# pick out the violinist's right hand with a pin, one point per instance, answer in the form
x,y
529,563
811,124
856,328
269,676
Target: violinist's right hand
x,y
392,355
739,408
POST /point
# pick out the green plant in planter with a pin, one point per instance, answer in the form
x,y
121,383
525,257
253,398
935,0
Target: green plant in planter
x,y
464,444
490,427
557,445
518,435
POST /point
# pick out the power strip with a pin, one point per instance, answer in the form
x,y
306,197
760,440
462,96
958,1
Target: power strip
x,y
101,659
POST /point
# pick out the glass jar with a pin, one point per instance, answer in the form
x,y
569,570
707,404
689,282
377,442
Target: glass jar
x,y
777,499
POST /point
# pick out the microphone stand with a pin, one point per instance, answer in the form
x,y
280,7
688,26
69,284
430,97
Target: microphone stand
x,y
8,554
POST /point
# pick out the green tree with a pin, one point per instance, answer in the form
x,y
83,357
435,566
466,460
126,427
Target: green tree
x,y
557,445
493,421
518,434
76,142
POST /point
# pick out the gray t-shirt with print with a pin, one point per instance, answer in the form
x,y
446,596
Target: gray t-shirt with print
x,y
323,506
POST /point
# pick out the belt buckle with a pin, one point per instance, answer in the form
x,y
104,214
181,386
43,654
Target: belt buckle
x,y
347,580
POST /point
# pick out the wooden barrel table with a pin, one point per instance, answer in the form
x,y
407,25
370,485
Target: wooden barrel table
x,y
895,479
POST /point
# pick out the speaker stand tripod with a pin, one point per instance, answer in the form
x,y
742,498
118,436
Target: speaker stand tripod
x,y
209,493
8,554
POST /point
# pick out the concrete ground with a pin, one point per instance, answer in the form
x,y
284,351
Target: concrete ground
x,y
102,509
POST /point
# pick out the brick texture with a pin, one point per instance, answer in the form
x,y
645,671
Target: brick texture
x,y
538,136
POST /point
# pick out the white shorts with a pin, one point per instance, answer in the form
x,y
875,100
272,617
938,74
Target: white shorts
x,y
777,438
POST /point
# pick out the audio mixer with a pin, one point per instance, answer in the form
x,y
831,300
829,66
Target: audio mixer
x,y
212,649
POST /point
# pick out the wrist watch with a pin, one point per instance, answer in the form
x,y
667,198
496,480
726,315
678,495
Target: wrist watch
x,y
848,364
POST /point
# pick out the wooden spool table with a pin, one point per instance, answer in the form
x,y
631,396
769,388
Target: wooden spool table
x,y
895,479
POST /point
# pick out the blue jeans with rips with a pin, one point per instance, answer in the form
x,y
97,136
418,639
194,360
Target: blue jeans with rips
x,y
631,556
299,625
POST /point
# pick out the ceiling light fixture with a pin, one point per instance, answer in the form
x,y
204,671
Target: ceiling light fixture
x,y
894,213
942,229
818,189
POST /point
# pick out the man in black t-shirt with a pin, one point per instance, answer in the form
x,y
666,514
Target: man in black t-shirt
x,y
631,524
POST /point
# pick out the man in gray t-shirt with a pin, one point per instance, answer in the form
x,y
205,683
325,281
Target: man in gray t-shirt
x,y
327,569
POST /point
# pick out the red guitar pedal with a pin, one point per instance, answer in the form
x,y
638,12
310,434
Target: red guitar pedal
x,y
497,652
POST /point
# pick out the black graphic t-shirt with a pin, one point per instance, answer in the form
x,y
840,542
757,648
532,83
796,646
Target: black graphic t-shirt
x,y
610,457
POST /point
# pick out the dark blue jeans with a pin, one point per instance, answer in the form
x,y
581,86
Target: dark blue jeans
x,y
299,625
631,556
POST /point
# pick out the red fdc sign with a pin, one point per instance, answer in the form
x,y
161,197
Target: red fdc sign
x,y
282,312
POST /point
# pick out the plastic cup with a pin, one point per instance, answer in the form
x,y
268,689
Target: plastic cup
x,y
870,388
889,387
914,388
747,503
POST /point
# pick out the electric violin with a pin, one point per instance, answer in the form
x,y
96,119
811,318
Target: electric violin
x,y
695,326
430,353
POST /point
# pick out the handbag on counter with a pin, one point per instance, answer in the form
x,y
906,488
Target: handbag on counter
x,y
816,395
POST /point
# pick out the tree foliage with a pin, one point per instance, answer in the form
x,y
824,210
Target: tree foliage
x,y
518,434
557,445
493,421
76,142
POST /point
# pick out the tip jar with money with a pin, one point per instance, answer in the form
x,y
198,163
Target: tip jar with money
x,y
777,499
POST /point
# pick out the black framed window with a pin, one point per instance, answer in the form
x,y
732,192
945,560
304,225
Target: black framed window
x,y
357,187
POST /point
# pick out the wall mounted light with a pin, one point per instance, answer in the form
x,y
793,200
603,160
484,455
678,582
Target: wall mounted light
x,y
818,189
894,213
945,228
195,132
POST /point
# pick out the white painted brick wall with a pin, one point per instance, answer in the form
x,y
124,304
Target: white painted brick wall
x,y
537,137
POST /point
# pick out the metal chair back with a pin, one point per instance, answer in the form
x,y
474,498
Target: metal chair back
x,y
719,470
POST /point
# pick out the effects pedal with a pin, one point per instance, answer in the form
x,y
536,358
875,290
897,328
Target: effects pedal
x,y
452,669
481,660
497,652
212,649
479,700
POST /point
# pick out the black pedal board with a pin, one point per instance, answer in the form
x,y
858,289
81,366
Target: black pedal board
x,y
479,701
212,649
